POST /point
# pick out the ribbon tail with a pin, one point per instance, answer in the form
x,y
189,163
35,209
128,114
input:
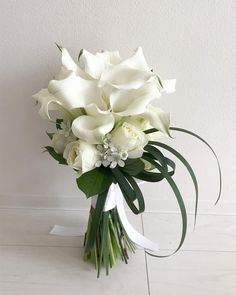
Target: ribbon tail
x,y
114,199
134,235
67,231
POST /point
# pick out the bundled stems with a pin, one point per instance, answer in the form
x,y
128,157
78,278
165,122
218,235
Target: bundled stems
x,y
111,243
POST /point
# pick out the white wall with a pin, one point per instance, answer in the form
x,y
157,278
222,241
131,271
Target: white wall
x,y
194,41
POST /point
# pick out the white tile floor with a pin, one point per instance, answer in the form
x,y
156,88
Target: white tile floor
x,y
34,262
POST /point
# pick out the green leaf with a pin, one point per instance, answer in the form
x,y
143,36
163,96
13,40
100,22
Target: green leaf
x,y
95,181
58,157
58,46
214,153
151,176
157,154
58,124
151,130
50,135
179,200
122,181
133,166
186,164
129,190
80,53
138,193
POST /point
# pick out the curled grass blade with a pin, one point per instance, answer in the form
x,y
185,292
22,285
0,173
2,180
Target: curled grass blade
x,y
188,167
180,203
214,153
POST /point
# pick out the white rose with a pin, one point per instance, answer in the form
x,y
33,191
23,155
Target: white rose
x,y
139,122
144,124
129,138
60,140
81,156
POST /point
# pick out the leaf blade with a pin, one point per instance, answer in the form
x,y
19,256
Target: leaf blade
x,y
58,157
180,203
188,167
95,181
214,153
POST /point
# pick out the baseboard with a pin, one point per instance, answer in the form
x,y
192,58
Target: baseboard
x,y
81,203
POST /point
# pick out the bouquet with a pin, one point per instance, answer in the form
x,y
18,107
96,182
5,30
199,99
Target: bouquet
x,y
107,130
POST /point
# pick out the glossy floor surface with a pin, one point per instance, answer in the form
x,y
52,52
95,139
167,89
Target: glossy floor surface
x,y
34,262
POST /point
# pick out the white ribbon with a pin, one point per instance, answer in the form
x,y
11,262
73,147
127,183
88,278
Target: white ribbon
x,y
114,199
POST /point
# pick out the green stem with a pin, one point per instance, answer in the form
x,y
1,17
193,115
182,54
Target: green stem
x,y
111,243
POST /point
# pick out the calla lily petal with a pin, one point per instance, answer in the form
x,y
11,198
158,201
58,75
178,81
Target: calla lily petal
x,y
133,102
122,77
131,73
67,61
110,57
136,61
157,118
49,103
76,92
91,64
94,126
68,65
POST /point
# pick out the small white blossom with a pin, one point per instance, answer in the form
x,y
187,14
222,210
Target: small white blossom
x,y
109,155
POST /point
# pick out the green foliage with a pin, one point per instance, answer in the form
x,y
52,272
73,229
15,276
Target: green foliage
x,y
179,198
58,46
130,190
101,179
95,181
214,153
58,157
111,241
98,211
50,135
186,164
58,124
133,166
151,130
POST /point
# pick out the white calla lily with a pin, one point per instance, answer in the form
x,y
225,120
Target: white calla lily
x,y
122,77
76,92
49,102
134,101
110,57
92,64
103,87
68,64
157,118
131,73
67,61
93,126
136,61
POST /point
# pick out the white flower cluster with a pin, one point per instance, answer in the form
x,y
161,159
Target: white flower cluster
x,y
109,155
103,94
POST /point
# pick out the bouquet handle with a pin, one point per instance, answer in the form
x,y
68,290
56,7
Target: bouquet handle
x,y
114,199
